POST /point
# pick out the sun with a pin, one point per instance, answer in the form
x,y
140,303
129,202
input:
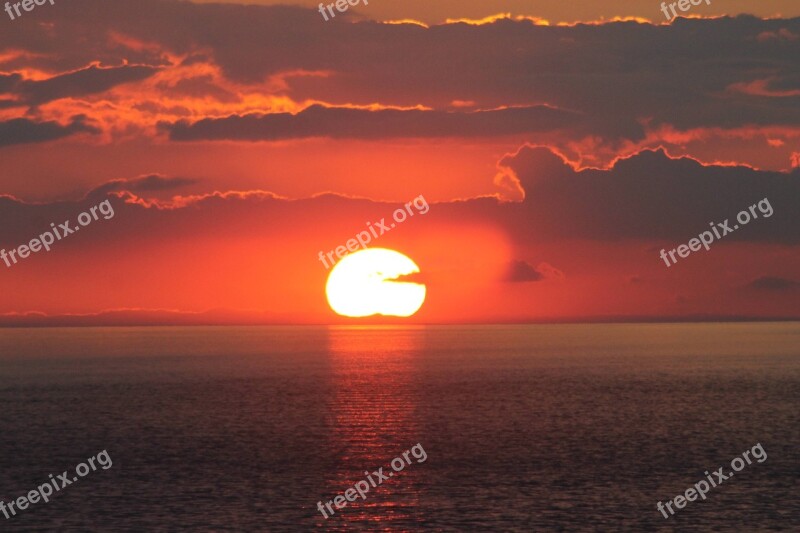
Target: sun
x,y
361,284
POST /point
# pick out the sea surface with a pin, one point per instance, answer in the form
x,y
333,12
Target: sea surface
x,y
524,428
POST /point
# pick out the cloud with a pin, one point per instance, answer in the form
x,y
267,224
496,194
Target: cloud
x,y
347,123
91,80
648,196
713,75
9,81
25,131
523,272
150,183
774,284
782,34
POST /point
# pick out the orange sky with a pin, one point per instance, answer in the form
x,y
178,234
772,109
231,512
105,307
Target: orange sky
x,y
236,142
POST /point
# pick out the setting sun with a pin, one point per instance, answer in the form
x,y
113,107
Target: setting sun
x,y
362,285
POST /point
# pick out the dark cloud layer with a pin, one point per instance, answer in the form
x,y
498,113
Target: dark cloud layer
x,y
83,82
691,74
91,80
342,123
142,184
24,131
523,272
648,197
774,284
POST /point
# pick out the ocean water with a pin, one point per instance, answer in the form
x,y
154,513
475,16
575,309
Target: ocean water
x,y
525,428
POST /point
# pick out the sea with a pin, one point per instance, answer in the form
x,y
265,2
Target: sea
x,y
567,427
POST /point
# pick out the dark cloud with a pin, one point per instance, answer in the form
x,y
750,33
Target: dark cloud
x,y
523,272
774,283
649,196
614,76
9,81
23,131
319,121
215,215
151,183
91,80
